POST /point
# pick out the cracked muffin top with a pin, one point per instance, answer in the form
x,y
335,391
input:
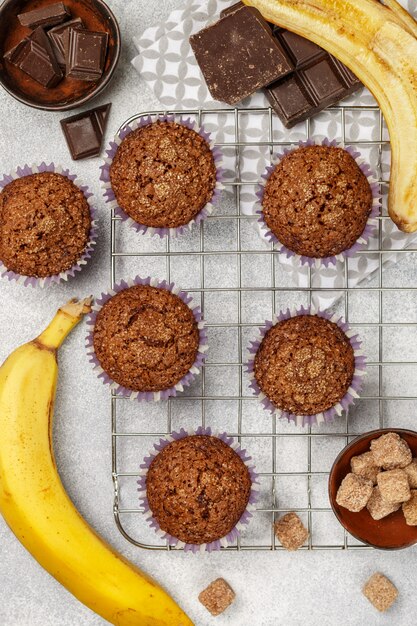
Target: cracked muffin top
x,y
146,338
45,224
305,364
317,201
163,174
198,488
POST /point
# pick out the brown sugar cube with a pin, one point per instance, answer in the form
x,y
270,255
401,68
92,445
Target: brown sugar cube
x,y
394,486
380,592
217,596
410,509
378,507
364,466
354,492
290,531
391,451
411,471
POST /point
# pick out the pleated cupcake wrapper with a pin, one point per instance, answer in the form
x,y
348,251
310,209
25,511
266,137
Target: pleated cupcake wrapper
x,y
246,516
109,193
148,396
371,223
32,281
355,386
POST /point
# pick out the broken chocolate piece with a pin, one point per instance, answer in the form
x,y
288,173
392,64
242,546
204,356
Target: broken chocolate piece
x,y
239,55
59,39
84,132
35,57
48,15
85,54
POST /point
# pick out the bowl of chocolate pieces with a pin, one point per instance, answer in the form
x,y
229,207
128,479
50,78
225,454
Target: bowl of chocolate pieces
x,y
57,55
373,488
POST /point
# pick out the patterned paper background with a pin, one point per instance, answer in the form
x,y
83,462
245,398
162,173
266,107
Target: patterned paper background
x,y
168,65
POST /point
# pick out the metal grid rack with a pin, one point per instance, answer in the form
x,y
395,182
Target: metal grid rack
x,y
294,462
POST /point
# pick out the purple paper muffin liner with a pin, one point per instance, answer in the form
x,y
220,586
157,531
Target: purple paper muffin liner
x,y
246,516
33,281
148,396
355,386
111,198
371,224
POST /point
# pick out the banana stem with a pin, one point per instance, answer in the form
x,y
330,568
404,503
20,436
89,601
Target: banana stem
x,y
64,321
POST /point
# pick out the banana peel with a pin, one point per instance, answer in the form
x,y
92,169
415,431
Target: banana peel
x,y
36,507
378,42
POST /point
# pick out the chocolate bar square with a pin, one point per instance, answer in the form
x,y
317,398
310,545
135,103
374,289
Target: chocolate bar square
x,y
59,40
323,82
301,50
84,132
290,100
238,55
34,56
48,15
86,54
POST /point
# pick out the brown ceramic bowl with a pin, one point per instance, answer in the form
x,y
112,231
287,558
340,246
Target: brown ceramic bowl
x,y
69,93
389,533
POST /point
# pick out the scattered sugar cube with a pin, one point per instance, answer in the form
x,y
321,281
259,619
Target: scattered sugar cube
x,y
379,508
391,451
394,486
364,466
354,492
217,596
410,509
380,592
411,471
290,531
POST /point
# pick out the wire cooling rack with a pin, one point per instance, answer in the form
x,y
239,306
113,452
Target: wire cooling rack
x,y
239,281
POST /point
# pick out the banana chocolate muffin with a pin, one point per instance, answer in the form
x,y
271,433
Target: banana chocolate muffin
x,y
146,338
198,488
45,224
305,364
163,174
317,201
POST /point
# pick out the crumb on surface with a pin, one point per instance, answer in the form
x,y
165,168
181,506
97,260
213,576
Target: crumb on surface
x,y
290,531
217,597
354,493
365,466
391,451
380,591
393,485
378,507
410,509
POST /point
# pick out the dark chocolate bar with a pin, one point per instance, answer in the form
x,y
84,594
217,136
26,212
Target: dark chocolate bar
x,y
238,55
84,132
48,15
59,39
85,54
34,56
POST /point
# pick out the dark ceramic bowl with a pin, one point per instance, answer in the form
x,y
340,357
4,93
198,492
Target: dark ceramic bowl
x,y
69,93
389,533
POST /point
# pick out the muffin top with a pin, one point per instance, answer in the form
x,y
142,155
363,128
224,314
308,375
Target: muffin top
x,y
305,364
146,338
198,488
45,223
317,201
163,174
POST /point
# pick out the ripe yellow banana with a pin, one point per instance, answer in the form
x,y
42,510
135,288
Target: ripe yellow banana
x,y
36,507
379,44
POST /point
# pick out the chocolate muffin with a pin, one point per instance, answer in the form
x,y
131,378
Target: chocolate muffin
x,y
198,488
163,174
305,365
317,201
146,338
45,224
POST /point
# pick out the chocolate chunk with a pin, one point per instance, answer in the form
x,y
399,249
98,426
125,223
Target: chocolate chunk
x,y
35,57
85,54
84,132
301,50
45,16
59,40
239,55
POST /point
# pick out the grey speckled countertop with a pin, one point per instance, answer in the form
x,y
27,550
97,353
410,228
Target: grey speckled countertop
x,y
315,588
